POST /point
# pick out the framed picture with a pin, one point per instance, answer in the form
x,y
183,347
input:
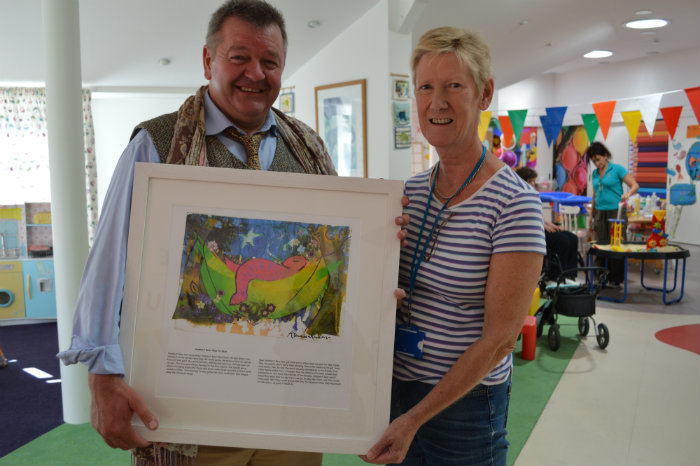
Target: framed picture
x,y
287,102
258,307
402,137
341,121
402,113
399,88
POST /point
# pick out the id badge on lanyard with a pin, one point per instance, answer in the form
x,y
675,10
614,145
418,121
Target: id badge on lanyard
x,y
409,341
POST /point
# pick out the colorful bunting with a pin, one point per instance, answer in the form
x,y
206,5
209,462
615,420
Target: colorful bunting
x,y
632,120
556,118
484,121
693,94
604,113
590,122
507,142
671,116
649,106
547,128
517,120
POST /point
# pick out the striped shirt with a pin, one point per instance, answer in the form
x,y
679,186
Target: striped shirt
x,y
504,215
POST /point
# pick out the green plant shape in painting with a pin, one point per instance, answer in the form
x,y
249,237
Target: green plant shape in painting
x,y
219,280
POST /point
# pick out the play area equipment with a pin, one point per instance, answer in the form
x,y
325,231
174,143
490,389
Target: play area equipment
x,y
616,233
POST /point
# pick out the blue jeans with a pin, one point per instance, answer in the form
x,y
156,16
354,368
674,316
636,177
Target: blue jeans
x,y
472,431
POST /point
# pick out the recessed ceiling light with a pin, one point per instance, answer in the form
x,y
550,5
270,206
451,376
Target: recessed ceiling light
x,y
524,22
598,54
164,61
314,23
643,12
646,23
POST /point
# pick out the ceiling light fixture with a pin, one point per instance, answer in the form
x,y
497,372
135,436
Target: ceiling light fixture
x,y
164,61
646,23
598,54
643,12
313,24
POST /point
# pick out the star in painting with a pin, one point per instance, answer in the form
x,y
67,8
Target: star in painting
x,y
250,237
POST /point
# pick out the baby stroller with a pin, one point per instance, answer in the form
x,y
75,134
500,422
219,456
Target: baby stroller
x,y
572,299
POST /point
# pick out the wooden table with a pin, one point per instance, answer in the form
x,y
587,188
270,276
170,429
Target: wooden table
x,y
639,251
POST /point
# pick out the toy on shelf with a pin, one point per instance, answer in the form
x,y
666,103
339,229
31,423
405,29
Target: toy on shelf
x,y
616,234
658,237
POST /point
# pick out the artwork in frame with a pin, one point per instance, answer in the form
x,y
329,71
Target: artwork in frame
x,y
286,104
399,88
266,321
402,113
402,137
341,121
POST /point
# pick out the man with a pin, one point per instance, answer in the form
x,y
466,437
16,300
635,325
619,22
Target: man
x,y
243,61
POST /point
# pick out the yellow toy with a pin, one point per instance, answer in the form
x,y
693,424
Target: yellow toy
x,y
616,234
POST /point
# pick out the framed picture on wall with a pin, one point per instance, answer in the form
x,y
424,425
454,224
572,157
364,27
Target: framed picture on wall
x,y
341,121
402,113
402,137
258,307
399,88
287,102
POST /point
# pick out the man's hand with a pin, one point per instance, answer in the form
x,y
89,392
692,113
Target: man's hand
x,y
393,445
113,404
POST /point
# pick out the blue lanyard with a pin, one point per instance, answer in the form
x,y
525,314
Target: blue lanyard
x,y
418,259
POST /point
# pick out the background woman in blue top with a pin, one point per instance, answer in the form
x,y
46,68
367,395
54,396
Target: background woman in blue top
x,y
607,195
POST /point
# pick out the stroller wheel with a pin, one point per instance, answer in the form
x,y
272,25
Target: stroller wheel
x,y
583,326
554,338
603,336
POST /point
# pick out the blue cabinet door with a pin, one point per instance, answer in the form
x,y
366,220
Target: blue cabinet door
x,y
39,289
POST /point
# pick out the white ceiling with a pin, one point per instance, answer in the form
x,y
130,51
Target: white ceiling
x,y
122,40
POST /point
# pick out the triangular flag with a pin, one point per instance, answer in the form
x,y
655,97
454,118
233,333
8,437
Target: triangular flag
x,y
649,106
693,94
507,142
632,120
590,122
547,128
484,121
671,116
517,120
556,118
604,113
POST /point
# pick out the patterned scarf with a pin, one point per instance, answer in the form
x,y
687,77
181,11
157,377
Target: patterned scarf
x,y
188,147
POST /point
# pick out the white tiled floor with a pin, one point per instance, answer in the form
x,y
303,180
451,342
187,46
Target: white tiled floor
x,y
637,402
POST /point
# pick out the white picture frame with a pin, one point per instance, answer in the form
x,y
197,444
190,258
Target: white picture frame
x,y
233,404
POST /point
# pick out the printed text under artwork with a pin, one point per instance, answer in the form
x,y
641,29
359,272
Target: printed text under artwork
x,y
263,277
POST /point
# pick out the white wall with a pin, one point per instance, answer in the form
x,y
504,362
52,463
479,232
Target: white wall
x,y
366,50
114,115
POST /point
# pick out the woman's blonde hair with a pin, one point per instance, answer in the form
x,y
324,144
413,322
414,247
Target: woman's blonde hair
x,y
470,48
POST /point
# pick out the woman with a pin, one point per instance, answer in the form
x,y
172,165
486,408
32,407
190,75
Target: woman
x,y
559,241
608,194
474,254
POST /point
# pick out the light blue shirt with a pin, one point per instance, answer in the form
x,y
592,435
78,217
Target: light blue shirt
x,y
95,339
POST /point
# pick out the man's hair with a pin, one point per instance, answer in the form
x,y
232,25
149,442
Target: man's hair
x,y
597,148
469,47
256,12
526,173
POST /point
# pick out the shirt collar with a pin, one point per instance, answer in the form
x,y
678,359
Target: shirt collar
x,y
216,121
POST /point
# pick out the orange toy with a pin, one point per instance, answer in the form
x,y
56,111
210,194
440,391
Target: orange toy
x,y
658,236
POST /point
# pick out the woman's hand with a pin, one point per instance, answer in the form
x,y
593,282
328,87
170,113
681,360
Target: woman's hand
x,y
393,445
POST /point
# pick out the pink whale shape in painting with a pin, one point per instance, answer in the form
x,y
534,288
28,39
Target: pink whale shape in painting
x,y
263,269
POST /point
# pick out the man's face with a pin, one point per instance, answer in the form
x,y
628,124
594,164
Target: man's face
x,y
245,71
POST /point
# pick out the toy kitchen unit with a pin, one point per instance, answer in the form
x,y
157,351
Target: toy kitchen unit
x,y
27,281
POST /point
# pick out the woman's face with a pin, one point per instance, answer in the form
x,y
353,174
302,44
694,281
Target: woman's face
x,y
600,161
448,101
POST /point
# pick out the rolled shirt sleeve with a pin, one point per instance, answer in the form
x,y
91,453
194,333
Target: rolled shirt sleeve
x,y
95,338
